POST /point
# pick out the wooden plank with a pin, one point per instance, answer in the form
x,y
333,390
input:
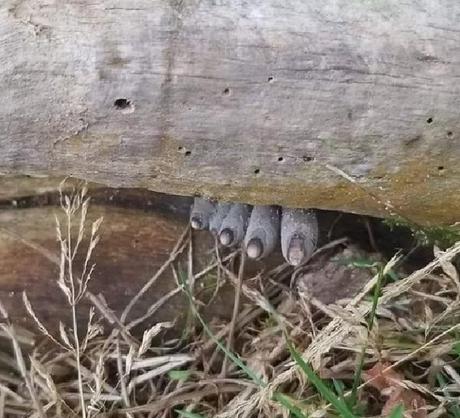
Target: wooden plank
x,y
134,244
20,187
347,105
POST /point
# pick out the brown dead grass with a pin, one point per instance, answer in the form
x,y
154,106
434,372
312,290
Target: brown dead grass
x,y
411,354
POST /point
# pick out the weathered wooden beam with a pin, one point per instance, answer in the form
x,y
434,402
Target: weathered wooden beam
x,y
14,188
345,105
134,245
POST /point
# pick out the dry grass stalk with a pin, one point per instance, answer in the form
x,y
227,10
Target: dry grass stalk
x,y
85,373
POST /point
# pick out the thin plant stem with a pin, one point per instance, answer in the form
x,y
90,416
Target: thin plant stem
x,y
370,326
74,314
236,308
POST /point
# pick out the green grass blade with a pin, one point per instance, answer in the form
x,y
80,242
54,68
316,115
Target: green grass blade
x,y
339,387
287,402
375,300
456,348
282,399
393,275
398,412
357,377
370,325
188,414
180,375
233,357
453,409
279,397
321,387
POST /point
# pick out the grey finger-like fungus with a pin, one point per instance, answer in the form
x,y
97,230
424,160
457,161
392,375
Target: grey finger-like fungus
x,y
299,235
201,213
221,212
234,225
263,231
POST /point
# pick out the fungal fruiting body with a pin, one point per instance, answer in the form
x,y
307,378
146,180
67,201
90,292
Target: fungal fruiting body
x,y
263,231
220,213
299,235
234,225
201,214
259,228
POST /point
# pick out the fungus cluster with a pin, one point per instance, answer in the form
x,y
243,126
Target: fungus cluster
x,y
259,229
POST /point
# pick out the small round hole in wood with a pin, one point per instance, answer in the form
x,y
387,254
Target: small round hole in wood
x,y
124,105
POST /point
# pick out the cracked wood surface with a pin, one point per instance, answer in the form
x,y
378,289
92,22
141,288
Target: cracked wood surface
x,y
346,105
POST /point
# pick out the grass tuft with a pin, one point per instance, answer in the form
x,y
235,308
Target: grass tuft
x,y
394,346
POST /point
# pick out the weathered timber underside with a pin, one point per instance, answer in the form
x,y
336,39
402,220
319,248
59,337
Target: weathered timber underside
x,y
138,234
349,105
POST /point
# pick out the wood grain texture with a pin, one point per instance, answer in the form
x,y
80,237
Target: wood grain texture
x,y
349,105
134,244
14,188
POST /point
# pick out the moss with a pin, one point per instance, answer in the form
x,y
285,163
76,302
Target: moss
x,y
208,285
441,236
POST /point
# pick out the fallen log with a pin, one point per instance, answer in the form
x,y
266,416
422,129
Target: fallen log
x,y
346,105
